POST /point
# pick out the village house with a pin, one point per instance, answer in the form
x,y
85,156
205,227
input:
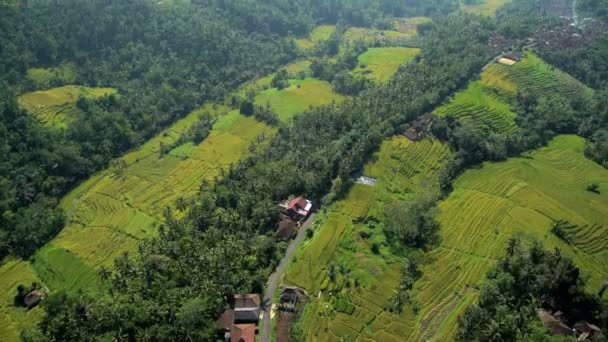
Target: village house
x,y
297,209
290,302
239,322
420,127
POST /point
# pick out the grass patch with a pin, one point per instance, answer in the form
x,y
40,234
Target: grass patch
x,y
380,64
57,106
298,97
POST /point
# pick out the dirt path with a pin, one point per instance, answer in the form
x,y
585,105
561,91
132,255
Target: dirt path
x,y
273,282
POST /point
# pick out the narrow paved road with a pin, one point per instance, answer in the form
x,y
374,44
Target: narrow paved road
x,y
273,282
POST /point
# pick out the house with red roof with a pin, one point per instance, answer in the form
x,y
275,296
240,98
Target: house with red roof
x,y
298,208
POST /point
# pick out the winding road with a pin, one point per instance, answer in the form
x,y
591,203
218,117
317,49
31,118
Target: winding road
x,y
273,282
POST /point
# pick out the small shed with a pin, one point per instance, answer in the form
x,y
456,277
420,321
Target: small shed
x,y
555,326
32,299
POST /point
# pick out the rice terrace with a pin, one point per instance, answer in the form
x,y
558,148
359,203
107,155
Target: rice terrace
x,y
305,170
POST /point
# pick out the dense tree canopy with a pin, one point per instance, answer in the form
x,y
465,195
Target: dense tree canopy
x,y
527,279
195,257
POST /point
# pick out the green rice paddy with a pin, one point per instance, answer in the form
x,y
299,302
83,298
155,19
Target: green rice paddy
x,y
42,77
353,306
57,106
380,64
317,35
519,197
486,103
298,97
111,212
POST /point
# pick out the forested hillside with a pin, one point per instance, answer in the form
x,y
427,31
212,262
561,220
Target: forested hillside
x,y
163,60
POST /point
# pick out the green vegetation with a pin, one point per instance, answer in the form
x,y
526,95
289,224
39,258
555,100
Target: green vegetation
x,y
13,319
525,280
481,107
194,257
367,262
298,97
318,35
380,64
520,197
57,106
484,7
48,77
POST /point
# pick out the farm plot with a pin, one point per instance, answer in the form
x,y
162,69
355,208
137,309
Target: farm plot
x,y
319,34
485,7
520,197
42,77
298,97
14,319
57,106
409,26
112,211
486,103
380,64
481,108
350,248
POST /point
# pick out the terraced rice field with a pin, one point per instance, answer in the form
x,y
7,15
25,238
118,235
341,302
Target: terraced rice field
x,y
534,76
112,211
317,35
353,305
523,197
57,106
13,319
486,103
481,108
486,7
298,97
380,64
42,77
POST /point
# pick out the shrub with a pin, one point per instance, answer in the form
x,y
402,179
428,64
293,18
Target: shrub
x,y
593,188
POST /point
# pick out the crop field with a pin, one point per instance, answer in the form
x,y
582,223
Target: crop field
x,y
109,213
264,83
486,7
380,64
42,77
353,305
535,76
409,26
486,103
57,106
522,197
478,106
13,319
112,211
298,97
317,35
